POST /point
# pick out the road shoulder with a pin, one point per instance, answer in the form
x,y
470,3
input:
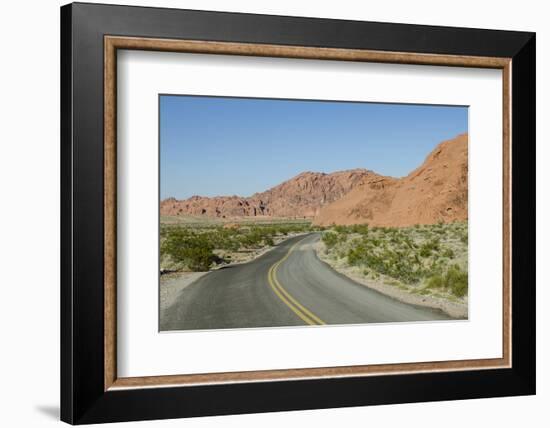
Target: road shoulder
x,y
172,284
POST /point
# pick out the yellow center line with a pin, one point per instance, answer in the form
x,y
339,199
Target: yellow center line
x,y
303,313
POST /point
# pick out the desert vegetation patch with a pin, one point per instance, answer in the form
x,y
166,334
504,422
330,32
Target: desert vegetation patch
x,y
424,259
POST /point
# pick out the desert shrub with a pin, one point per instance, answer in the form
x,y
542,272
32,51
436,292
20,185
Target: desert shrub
x,y
435,281
410,255
193,247
424,252
223,239
341,229
358,255
407,242
397,264
362,229
428,247
376,242
199,258
251,239
194,250
330,239
448,253
455,280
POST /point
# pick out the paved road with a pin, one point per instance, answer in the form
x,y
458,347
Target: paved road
x,y
287,286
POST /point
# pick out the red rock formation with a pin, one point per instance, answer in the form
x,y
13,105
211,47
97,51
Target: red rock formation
x,y
436,191
301,196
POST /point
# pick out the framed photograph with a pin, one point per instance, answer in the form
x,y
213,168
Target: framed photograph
x,y
265,213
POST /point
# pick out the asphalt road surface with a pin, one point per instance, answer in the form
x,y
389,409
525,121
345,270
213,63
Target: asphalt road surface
x,y
288,286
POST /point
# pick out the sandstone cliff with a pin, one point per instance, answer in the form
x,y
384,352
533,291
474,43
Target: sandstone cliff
x,y
437,191
301,196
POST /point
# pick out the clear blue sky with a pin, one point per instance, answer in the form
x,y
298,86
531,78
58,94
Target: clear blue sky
x,y
238,146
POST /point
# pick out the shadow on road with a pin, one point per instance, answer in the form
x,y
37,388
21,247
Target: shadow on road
x,y
225,267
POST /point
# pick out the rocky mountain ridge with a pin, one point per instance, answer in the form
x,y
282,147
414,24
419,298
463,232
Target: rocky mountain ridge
x,y
437,191
300,197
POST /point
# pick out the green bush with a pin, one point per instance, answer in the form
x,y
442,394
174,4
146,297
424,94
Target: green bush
x,y
193,247
435,281
330,239
362,229
424,252
358,255
448,253
428,247
455,280
194,250
397,264
411,255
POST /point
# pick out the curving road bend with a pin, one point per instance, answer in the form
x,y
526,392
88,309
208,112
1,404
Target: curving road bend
x,y
288,286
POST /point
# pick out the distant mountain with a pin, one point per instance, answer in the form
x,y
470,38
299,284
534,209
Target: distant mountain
x,y
436,191
299,197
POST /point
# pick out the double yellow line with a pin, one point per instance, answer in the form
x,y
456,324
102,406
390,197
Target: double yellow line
x,y
305,314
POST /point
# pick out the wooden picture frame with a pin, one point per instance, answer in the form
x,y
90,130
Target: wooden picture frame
x,y
91,390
